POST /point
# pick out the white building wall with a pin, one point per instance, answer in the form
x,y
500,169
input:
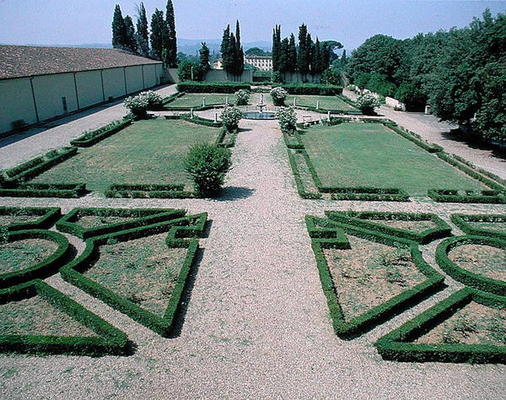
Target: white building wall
x,y
134,79
89,88
114,83
150,76
50,91
16,103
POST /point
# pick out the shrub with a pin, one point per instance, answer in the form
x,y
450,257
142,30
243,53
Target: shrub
x,y
207,164
279,95
138,105
311,88
367,103
231,117
277,77
242,97
212,87
188,71
155,101
287,119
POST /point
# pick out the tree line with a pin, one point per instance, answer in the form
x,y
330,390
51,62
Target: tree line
x,y
232,53
160,43
461,73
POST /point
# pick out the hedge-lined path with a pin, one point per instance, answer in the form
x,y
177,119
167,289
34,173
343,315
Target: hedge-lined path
x,y
257,323
33,142
435,131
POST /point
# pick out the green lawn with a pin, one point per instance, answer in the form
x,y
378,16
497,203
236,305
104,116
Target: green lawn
x,y
150,151
325,102
368,154
194,100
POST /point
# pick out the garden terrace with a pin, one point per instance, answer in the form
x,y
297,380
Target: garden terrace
x,y
334,104
148,152
198,101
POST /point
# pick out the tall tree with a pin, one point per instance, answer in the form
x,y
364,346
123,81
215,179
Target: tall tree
x,y
171,40
130,40
232,55
292,54
276,45
239,52
157,34
118,29
204,57
225,49
316,58
142,31
283,56
303,57
237,33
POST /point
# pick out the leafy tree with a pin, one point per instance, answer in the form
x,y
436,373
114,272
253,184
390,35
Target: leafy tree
x,y
332,45
170,40
189,71
142,31
130,39
256,51
157,34
204,57
118,29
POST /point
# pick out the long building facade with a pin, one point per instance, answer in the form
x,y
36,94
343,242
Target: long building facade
x,y
41,83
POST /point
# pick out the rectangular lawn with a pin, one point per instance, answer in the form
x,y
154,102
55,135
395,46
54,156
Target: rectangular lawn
x,y
369,154
325,102
194,100
150,151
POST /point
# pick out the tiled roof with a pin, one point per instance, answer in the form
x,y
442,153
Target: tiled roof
x,y
22,61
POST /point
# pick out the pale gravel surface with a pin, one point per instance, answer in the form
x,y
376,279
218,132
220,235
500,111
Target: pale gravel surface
x,y
257,324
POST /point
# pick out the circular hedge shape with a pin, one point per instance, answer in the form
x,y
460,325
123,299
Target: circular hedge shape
x,y
464,276
43,269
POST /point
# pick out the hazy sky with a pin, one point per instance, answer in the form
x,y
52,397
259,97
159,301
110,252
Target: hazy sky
x,y
349,21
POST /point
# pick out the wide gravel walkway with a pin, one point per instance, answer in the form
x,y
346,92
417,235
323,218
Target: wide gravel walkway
x,y
257,323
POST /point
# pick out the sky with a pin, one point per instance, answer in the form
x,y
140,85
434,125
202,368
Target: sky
x,y
348,21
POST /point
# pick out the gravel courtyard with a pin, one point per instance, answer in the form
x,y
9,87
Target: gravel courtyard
x,y
256,325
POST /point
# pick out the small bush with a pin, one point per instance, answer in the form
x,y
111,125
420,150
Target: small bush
x,y
367,103
138,105
242,97
279,95
231,117
155,101
287,119
207,164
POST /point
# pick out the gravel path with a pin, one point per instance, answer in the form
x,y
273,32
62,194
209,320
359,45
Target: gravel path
x,y
21,147
435,131
257,323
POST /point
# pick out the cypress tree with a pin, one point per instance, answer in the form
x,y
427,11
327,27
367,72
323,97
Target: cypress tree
x,y
303,58
283,56
204,57
118,29
157,34
325,57
237,33
239,53
316,58
292,54
142,31
276,47
225,55
130,40
232,55
171,40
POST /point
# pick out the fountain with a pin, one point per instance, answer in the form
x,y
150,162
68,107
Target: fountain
x,y
260,114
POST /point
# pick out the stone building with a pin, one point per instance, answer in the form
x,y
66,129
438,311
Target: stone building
x,y
263,63
41,83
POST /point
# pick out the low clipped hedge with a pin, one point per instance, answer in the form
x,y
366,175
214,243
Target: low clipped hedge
x,y
365,193
43,217
42,269
398,345
92,137
201,121
226,139
467,196
110,340
60,190
298,180
365,220
464,222
348,329
172,97
460,274
211,87
140,217
31,168
177,232
149,191
310,88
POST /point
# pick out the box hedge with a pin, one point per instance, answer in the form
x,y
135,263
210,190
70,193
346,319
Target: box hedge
x,y
211,87
465,223
60,190
310,88
95,136
43,217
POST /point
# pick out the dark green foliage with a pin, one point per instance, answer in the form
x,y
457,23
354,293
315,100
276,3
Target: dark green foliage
x,y
232,51
468,196
276,47
189,71
191,226
110,340
62,190
142,31
325,233
465,223
119,34
292,54
398,345
207,165
311,88
204,57
256,51
212,87
137,217
468,278
148,191
170,40
95,136
42,217
130,38
304,53
158,34
42,269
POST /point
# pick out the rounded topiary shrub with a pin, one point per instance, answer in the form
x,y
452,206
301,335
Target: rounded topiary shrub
x,y
242,97
207,164
138,106
367,103
279,96
155,101
231,117
287,119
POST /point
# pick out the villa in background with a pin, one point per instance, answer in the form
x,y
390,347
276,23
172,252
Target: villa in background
x,y
263,63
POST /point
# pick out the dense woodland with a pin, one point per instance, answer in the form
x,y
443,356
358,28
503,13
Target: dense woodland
x,y
461,73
